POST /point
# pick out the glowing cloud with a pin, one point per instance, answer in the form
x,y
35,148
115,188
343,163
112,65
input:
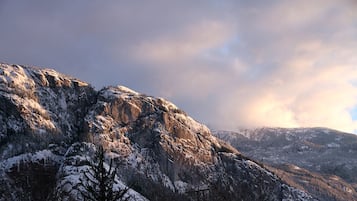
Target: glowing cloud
x,y
227,63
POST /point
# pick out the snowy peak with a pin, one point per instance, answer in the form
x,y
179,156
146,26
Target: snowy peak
x,y
40,104
148,121
25,78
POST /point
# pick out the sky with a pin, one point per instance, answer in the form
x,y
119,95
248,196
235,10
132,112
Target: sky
x,y
227,63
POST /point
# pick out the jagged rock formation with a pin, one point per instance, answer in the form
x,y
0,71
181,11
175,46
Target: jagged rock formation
x,y
318,160
50,124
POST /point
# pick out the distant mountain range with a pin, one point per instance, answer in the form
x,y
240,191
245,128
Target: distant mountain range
x,y
50,125
320,161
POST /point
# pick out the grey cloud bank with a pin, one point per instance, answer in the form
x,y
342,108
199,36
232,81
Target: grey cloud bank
x,y
227,63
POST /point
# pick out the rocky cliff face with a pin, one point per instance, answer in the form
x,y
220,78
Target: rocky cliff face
x,y
50,124
319,160
39,107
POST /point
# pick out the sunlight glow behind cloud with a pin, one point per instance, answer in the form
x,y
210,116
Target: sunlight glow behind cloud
x,y
228,64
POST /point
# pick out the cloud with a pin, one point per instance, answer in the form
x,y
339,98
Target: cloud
x,y
188,44
228,63
314,86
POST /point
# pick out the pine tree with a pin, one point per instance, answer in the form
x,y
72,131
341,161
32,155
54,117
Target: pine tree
x,y
98,182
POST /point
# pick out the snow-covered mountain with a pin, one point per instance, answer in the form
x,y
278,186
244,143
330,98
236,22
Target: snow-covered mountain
x,y
319,160
50,124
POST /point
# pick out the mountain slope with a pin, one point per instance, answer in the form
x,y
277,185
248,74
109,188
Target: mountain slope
x,y
319,160
50,124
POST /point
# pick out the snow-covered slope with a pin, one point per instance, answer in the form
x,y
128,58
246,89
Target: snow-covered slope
x,y
328,156
50,124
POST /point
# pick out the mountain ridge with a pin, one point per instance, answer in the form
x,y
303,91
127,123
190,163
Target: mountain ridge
x,y
318,160
50,124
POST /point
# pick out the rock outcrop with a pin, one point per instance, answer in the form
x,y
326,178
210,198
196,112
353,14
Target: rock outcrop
x,y
39,107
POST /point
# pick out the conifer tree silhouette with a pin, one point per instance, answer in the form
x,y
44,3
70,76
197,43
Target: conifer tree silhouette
x,y
98,182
